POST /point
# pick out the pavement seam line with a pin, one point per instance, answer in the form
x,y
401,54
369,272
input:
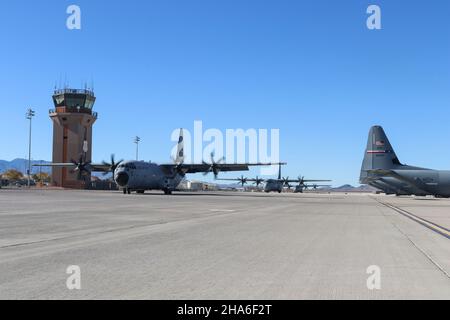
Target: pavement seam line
x,y
23,244
435,263
428,224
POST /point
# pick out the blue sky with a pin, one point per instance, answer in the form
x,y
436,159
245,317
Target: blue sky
x,y
310,68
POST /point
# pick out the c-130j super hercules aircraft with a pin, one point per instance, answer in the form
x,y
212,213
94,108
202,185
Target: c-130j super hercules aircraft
x,y
140,176
277,185
382,169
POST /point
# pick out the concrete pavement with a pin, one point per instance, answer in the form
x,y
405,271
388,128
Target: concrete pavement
x,y
219,246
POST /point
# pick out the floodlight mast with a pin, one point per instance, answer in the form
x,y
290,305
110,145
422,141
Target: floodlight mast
x,y
29,115
136,141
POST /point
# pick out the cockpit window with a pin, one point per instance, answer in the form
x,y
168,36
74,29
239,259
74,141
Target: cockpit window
x,y
128,166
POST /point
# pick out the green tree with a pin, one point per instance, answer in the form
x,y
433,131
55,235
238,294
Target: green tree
x,y
41,177
13,175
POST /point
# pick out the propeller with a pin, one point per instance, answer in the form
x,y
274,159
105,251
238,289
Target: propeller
x,y
178,166
258,181
81,167
286,182
242,180
112,165
213,166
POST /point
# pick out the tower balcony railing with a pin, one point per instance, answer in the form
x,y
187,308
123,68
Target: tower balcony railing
x,y
73,110
74,91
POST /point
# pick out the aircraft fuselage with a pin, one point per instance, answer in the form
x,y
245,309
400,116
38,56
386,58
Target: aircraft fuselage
x,y
273,186
429,182
141,176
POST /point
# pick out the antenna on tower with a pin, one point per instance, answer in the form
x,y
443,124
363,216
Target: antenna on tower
x,y
66,85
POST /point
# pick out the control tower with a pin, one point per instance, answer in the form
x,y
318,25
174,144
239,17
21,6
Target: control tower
x,y
72,134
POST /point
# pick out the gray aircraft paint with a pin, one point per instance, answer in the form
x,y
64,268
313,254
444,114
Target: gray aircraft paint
x,y
140,176
145,176
277,185
274,185
180,148
382,169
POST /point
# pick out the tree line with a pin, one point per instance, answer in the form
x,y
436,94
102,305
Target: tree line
x,y
15,175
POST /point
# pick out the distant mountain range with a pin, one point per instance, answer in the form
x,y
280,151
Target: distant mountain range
x,y
350,188
22,166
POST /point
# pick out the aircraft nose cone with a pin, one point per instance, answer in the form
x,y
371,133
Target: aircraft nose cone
x,y
122,179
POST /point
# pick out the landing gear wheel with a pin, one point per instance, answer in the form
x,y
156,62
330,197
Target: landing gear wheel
x,y
128,191
140,191
124,191
167,192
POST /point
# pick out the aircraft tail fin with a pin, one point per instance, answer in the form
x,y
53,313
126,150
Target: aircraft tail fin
x,y
379,154
279,171
180,148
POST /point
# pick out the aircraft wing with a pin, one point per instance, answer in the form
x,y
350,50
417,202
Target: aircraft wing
x,y
240,179
94,167
318,185
304,181
57,165
195,168
215,167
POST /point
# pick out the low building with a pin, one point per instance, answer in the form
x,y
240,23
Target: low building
x,y
200,186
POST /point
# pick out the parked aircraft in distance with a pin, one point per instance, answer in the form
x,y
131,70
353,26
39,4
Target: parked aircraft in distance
x,y
382,169
301,187
140,176
277,185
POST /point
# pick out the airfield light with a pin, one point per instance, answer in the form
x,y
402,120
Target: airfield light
x,y
136,141
29,115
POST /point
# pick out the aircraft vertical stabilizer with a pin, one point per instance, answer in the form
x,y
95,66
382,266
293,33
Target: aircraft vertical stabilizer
x,y
279,171
180,149
379,153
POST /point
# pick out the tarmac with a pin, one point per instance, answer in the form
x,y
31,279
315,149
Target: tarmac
x,y
229,245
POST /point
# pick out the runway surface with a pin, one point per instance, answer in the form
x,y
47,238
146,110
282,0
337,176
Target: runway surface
x,y
222,245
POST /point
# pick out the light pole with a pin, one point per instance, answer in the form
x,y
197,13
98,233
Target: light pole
x,y
137,140
29,115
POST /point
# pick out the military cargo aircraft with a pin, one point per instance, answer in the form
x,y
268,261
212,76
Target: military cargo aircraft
x,y
277,185
301,187
382,169
140,176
